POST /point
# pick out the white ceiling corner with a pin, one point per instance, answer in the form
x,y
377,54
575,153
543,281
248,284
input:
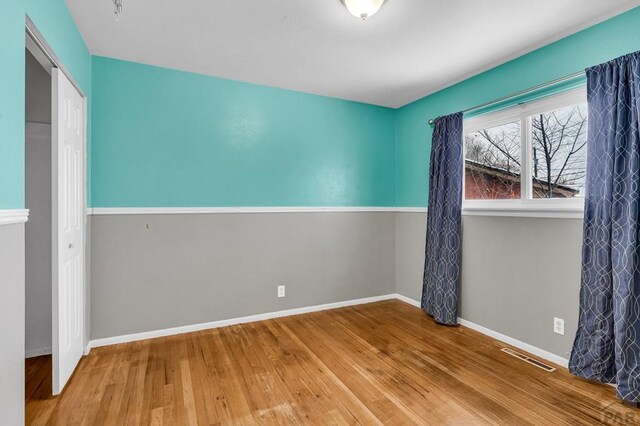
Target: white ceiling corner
x,y
410,49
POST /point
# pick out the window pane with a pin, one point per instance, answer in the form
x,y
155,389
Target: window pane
x,y
559,156
492,163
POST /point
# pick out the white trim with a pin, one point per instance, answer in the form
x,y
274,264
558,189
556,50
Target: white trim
x,y
99,211
224,323
541,353
9,217
562,209
535,213
32,353
411,210
492,119
408,300
469,209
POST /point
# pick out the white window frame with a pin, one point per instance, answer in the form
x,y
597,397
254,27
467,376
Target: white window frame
x,y
526,206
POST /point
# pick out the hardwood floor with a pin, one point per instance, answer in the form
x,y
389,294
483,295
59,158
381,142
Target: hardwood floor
x,y
381,363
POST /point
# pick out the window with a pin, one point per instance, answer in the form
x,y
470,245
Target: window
x,y
529,159
492,163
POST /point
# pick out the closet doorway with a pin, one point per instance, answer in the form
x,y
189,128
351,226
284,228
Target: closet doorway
x,y
55,182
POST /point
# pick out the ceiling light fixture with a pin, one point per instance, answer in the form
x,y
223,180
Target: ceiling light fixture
x,y
363,8
117,8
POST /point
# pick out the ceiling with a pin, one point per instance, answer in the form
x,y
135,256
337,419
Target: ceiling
x,y
410,49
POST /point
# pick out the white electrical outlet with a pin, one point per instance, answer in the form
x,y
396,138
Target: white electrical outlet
x,y
280,291
558,326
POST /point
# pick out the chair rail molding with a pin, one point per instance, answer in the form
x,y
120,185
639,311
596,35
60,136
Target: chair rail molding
x,y
100,211
10,217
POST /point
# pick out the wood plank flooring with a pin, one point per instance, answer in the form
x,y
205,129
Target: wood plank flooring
x,y
381,363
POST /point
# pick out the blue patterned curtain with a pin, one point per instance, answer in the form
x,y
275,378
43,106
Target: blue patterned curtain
x,y
607,345
442,252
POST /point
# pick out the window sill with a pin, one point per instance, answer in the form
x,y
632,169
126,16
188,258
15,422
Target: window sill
x,y
539,209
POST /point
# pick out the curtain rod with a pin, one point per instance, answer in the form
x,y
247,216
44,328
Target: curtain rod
x,y
520,93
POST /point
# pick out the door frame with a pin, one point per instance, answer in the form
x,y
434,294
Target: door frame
x,y
37,45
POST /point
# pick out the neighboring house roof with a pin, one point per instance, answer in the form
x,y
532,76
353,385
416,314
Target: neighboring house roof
x,y
539,185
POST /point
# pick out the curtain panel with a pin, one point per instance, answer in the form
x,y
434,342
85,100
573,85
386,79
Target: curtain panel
x,y
444,222
607,344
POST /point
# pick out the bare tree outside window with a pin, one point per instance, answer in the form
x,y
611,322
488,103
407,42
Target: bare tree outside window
x,y
558,143
559,152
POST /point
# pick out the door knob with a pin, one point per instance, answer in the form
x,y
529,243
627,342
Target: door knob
x,y
70,245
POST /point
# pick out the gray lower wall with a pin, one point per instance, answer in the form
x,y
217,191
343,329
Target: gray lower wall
x,y
12,324
410,241
517,274
189,269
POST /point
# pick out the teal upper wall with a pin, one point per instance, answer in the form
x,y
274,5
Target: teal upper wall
x,y
597,44
12,105
164,138
53,20
169,138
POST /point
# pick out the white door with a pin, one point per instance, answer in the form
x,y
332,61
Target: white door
x,y
68,228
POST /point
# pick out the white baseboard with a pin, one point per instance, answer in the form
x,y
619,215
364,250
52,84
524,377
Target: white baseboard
x,y
541,353
408,300
31,353
224,323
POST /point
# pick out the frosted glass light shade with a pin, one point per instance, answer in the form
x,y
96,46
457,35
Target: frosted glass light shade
x,y
363,8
